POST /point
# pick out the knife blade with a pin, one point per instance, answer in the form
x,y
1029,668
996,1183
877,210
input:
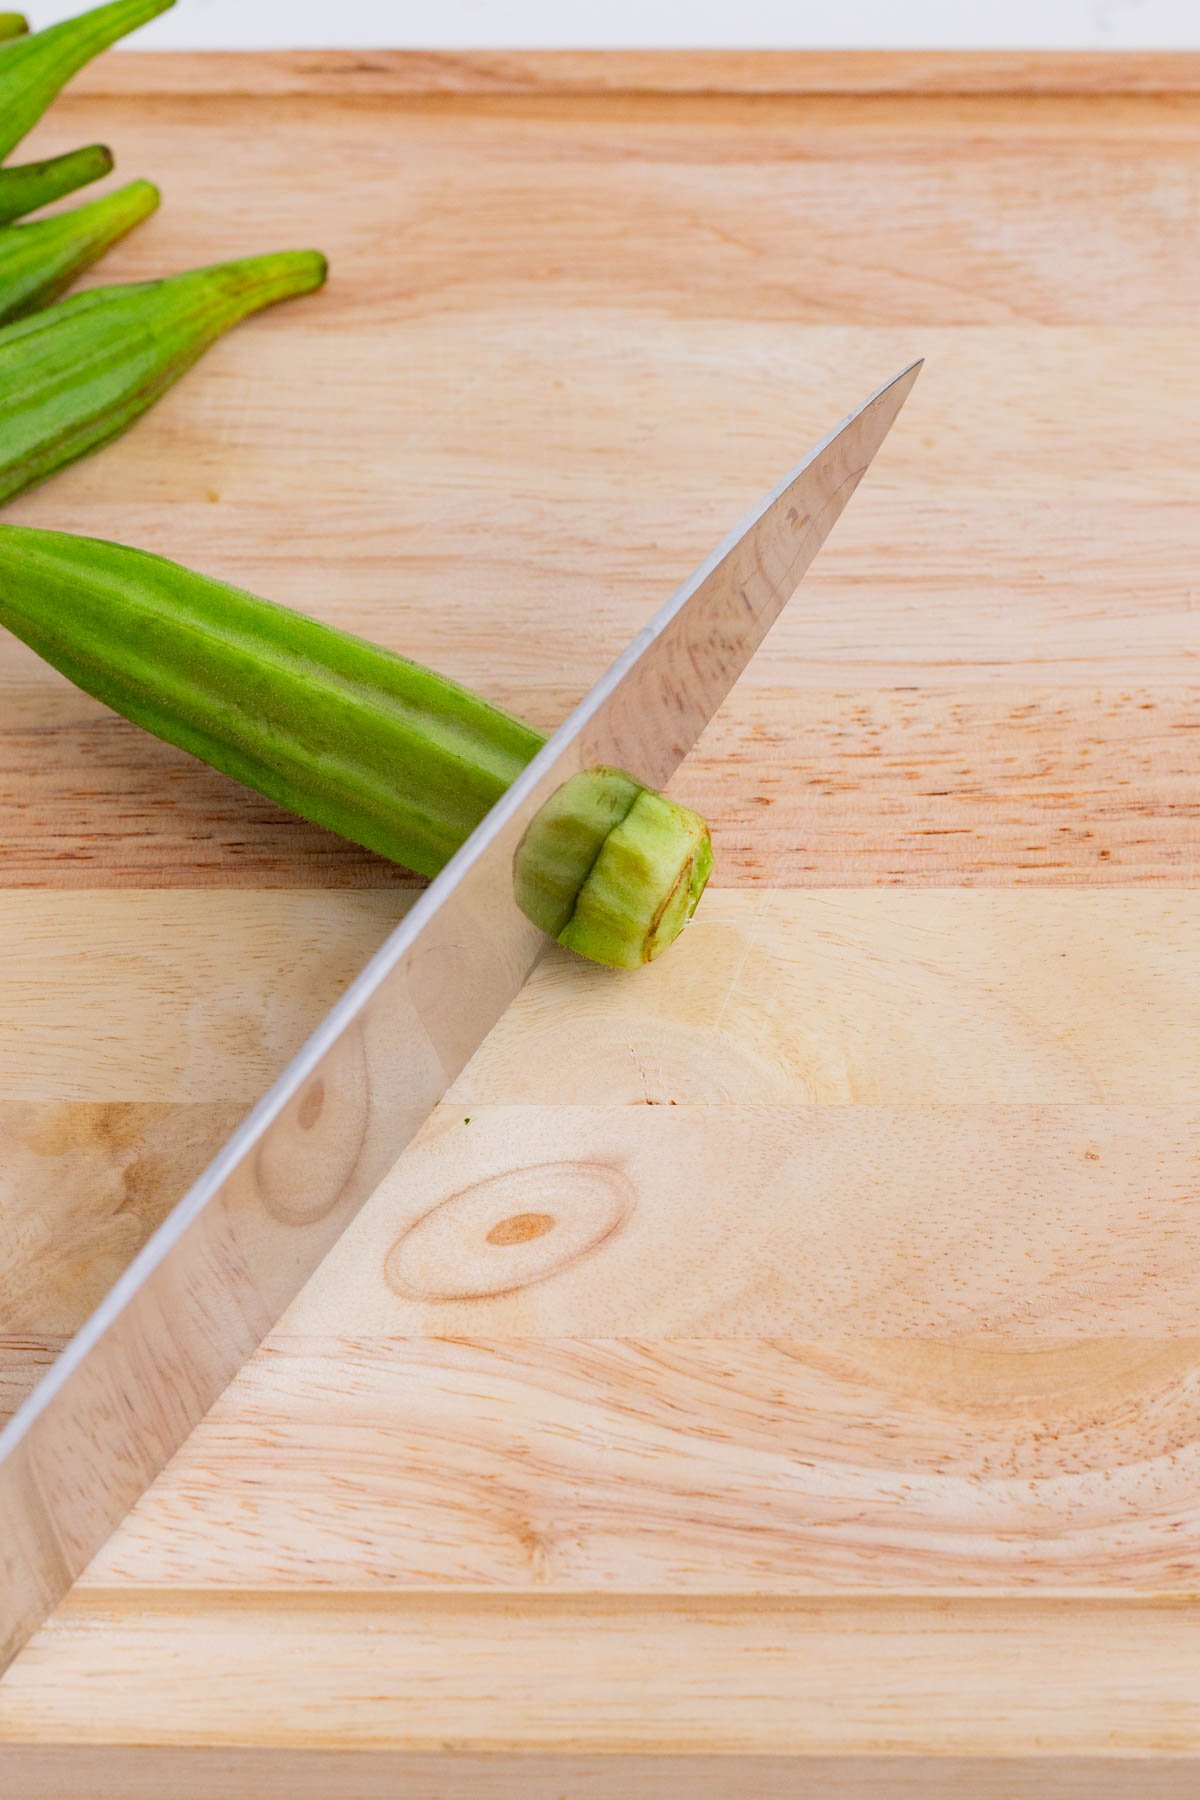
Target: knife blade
x,y
219,1271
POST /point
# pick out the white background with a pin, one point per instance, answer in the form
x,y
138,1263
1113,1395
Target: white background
x,y
952,24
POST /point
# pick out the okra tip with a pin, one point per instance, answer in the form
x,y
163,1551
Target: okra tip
x,y
13,25
30,186
138,199
295,271
107,219
252,282
96,159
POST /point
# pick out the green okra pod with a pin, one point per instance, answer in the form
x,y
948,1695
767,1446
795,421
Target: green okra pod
x,y
77,374
35,68
38,262
350,735
28,186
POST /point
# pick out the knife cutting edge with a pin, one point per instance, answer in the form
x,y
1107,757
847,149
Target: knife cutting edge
x,y
216,1275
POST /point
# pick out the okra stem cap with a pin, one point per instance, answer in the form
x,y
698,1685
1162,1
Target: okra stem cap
x,y
612,869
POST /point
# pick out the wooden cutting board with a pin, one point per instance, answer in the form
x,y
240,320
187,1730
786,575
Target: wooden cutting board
x,y
778,1372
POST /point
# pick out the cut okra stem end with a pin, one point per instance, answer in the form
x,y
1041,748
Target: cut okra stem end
x,y
611,869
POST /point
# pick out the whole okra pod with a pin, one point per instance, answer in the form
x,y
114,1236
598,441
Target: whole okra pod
x,y
351,736
77,374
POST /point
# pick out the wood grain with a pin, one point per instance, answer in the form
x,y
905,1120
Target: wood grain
x,y
231,1772
548,73
822,1678
523,583
999,786
82,1186
898,998
136,996
776,1373
1023,1223
873,998
111,1171
747,1464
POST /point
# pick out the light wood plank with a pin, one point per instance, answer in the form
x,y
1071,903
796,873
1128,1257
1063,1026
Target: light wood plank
x,y
952,211
138,1772
323,74
749,1464
930,998
826,1678
167,997
523,579
991,996
81,1188
1022,1223
993,786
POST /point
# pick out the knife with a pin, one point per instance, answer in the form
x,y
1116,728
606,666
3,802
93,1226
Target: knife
x,y
219,1271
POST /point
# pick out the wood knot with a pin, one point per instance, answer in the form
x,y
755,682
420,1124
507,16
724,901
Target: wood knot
x,y
310,1151
521,1228
509,1231
311,1102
